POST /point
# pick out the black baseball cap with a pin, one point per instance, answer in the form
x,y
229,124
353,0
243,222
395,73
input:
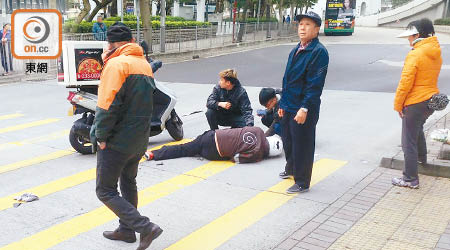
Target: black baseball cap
x,y
118,32
312,15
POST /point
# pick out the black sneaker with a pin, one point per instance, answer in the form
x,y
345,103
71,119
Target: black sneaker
x,y
285,175
296,189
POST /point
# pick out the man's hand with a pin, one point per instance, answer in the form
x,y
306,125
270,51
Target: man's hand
x,y
280,112
400,114
225,105
102,145
300,117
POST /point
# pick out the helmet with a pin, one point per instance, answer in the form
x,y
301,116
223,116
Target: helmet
x,y
275,145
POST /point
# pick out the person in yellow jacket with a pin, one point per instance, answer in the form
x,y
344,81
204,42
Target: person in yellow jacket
x,y
417,85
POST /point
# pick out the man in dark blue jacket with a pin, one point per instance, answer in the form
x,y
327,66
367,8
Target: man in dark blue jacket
x,y
303,83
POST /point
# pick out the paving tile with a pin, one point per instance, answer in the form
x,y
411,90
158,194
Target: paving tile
x,y
327,233
338,204
445,238
288,244
415,237
321,237
398,245
362,202
367,199
341,221
316,242
357,205
333,229
310,226
443,245
355,209
300,234
346,217
350,213
308,246
337,225
433,225
330,211
321,218
346,197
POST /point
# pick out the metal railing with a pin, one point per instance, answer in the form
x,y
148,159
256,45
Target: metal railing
x,y
177,40
204,37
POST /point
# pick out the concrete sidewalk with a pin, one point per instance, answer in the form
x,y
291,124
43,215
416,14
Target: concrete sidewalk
x,y
376,215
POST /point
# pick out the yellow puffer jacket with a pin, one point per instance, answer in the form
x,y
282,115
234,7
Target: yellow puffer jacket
x,y
420,74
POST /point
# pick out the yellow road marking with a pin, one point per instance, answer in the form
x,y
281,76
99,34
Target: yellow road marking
x,y
63,183
5,117
35,160
39,139
223,228
80,224
27,125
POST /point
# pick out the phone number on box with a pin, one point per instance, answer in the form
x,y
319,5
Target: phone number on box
x,y
88,76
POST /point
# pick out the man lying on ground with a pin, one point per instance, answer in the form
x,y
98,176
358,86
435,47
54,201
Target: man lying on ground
x,y
242,145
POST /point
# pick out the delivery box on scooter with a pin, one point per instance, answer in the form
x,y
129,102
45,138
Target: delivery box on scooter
x,y
80,63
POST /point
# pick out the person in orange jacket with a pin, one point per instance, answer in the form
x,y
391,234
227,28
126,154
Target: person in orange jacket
x,y
417,85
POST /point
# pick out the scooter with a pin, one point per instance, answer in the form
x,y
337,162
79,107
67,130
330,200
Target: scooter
x,y
84,102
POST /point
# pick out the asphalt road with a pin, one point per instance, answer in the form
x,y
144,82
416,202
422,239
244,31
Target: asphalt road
x,y
353,67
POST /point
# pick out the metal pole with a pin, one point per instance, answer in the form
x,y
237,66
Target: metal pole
x,y
120,7
254,32
138,24
163,26
179,39
196,36
234,17
210,36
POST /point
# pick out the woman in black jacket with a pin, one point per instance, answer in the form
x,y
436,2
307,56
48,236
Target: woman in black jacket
x,y
228,104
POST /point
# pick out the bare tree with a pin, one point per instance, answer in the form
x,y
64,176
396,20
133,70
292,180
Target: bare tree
x,y
99,6
146,16
84,12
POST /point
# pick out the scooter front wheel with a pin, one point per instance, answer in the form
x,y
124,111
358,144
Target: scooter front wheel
x,y
79,143
175,126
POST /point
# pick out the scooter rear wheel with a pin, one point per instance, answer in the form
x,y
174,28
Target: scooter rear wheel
x,y
79,143
175,126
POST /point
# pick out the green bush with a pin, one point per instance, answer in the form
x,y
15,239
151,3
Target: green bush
x,y
133,18
442,21
86,27
253,20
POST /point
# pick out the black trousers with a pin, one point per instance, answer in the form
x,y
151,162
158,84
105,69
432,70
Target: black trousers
x,y
413,139
112,166
222,118
204,145
299,142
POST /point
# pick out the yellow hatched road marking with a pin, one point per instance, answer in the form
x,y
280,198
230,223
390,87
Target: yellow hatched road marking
x,y
39,139
63,183
230,224
35,160
80,224
27,125
11,116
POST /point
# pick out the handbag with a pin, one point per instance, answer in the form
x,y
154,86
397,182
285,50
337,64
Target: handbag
x,y
438,102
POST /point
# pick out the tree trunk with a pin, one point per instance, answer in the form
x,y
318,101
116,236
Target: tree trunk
x,y
268,10
84,12
146,15
99,6
244,19
280,13
114,11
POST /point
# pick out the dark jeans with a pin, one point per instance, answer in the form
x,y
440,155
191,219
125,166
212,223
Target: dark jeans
x,y
299,146
112,166
413,139
204,145
6,56
219,117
